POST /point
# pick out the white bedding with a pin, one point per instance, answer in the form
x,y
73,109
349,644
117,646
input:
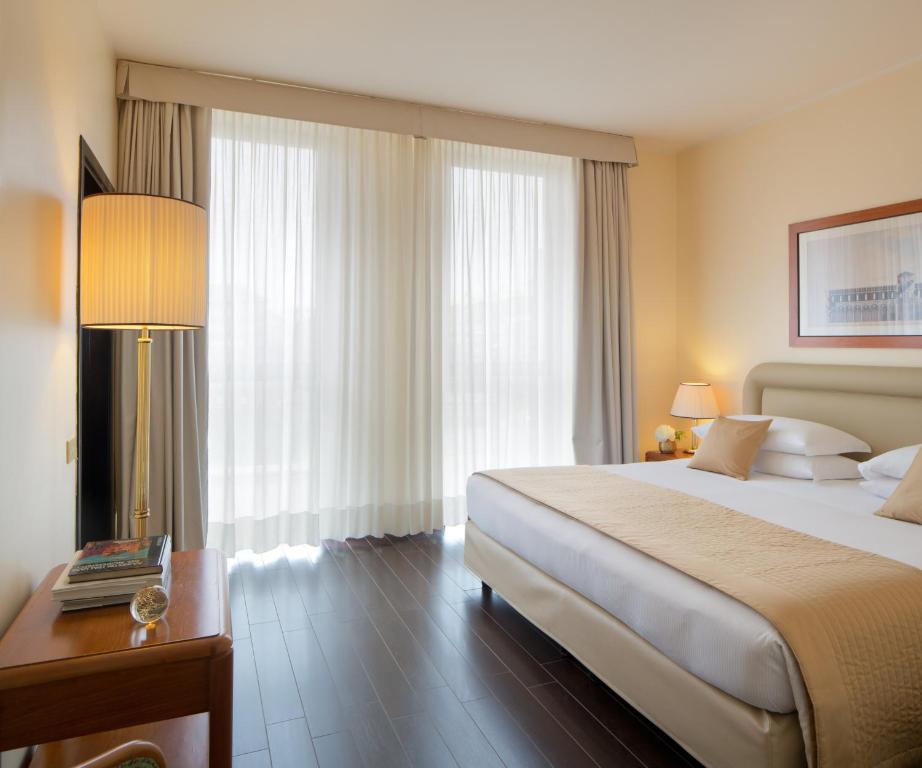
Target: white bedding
x,y
722,641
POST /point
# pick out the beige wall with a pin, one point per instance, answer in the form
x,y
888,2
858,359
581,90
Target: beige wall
x,y
652,189
57,84
856,149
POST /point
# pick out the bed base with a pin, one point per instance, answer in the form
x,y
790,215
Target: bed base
x,y
718,729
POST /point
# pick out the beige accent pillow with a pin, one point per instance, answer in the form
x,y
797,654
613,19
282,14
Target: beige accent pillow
x,y
731,446
905,503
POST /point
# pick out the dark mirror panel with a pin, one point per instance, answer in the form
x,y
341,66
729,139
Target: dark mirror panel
x,y
95,388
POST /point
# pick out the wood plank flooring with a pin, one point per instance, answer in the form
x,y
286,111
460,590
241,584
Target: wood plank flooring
x,y
385,652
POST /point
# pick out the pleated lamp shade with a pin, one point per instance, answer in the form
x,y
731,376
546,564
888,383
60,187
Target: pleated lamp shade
x,y
142,263
694,400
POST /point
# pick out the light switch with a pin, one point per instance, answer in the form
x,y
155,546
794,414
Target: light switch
x,y
70,449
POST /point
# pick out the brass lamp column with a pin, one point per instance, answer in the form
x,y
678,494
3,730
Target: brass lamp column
x,y
142,267
142,438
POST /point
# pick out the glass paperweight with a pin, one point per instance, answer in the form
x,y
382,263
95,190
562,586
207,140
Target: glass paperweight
x,y
149,604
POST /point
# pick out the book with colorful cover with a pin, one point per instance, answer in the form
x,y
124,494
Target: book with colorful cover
x,y
64,590
119,558
89,594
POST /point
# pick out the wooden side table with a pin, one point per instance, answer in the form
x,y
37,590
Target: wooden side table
x,y
657,456
71,674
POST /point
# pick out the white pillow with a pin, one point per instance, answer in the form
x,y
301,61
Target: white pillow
x,y
803,438
890,464
806,467
880,488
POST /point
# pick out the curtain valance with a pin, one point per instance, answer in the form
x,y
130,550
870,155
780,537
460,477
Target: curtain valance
x,y
169,84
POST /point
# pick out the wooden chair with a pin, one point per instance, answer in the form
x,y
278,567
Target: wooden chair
x,y
131,754
180,743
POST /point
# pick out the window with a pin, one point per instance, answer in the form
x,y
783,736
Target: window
x,y
508,266
387,315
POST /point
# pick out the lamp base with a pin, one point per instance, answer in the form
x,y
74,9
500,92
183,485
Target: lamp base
x,y
140,524
694,438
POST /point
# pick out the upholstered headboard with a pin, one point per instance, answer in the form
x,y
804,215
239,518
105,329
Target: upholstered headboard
x,y
881,405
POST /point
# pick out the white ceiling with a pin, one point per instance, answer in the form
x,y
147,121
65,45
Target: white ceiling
x,y
676,70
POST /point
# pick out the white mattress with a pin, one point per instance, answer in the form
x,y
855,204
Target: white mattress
x,y
713,636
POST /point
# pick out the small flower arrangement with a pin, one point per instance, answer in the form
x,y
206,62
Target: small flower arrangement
x,y
666,435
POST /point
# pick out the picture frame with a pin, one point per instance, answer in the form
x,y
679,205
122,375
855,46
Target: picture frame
x,y
856,278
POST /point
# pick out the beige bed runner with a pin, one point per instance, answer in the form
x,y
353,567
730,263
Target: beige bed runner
x,y
852,619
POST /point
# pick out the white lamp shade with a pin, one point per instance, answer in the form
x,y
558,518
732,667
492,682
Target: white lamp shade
x,y
694,400
142,262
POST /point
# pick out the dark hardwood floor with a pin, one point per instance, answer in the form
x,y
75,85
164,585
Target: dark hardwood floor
x,y
385,652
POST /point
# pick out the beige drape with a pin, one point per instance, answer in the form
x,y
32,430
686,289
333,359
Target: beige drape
x,y
164,149
604,424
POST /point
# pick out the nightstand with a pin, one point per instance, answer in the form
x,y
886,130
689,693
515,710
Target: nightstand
x,y
66,675
657,456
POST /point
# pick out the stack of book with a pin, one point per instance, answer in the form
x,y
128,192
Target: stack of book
x,y
110,572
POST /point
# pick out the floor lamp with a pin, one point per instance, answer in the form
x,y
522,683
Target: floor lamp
x,y
142,267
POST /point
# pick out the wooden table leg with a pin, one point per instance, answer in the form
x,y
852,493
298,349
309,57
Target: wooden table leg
x,y
221,714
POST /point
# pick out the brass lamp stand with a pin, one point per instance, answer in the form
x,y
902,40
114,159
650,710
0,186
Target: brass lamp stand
x,y
142,267
695,440
142,438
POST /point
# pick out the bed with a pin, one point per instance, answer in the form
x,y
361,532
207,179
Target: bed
x,y
707,669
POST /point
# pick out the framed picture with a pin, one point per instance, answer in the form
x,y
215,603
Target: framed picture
x,y
856,278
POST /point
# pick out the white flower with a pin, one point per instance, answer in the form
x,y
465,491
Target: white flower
x,y
664,432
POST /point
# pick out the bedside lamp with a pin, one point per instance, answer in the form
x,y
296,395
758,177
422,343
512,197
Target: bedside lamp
x,y
142,267
695,400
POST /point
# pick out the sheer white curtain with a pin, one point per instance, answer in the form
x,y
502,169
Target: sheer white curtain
x,y
319,360
504,233
387,314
